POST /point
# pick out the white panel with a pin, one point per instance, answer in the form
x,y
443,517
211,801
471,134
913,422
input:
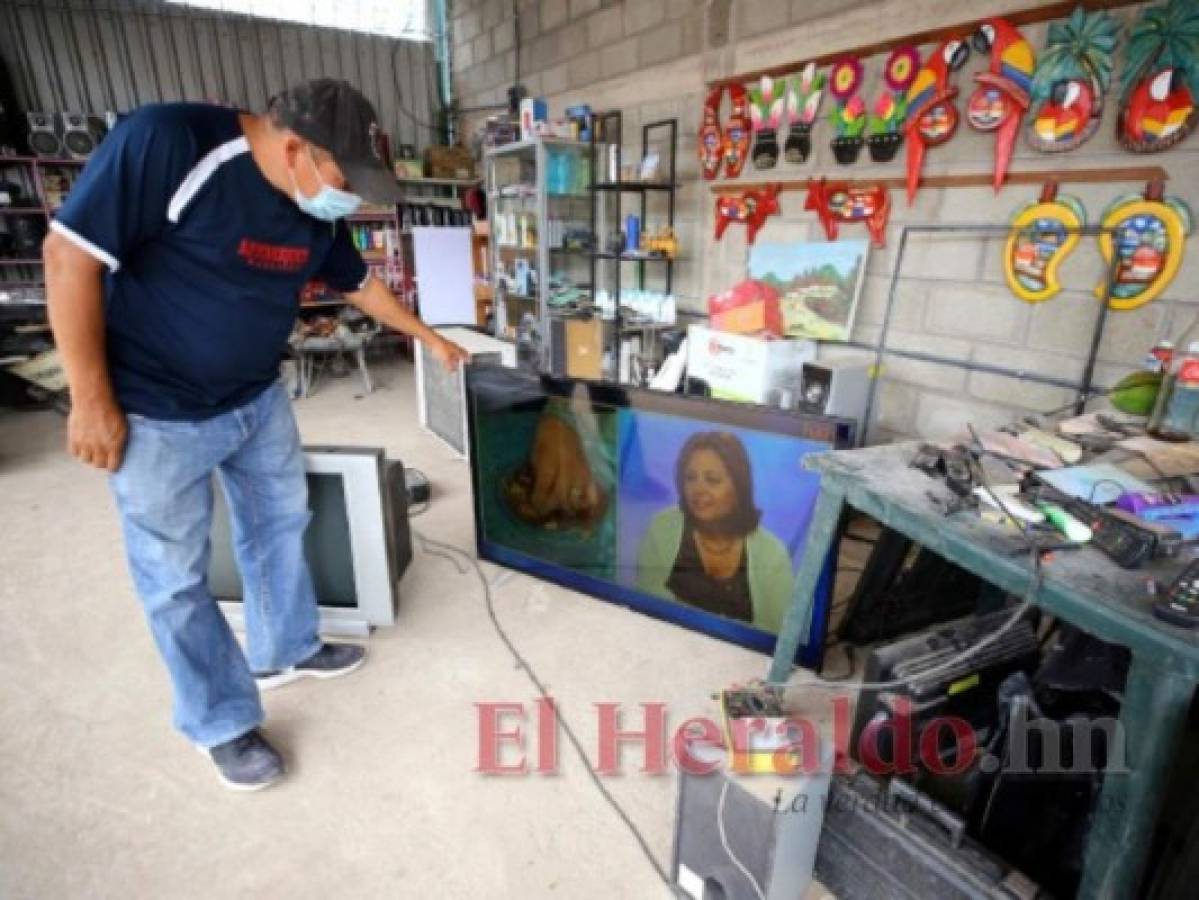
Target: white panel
x,y
444,275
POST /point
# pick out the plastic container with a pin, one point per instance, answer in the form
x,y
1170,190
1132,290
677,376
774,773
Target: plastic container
x,y
1182,410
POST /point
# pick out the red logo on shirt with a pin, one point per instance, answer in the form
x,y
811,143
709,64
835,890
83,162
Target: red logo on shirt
x,y
273,257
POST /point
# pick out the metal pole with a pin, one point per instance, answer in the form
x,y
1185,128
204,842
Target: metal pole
x,y
1088,371
882,336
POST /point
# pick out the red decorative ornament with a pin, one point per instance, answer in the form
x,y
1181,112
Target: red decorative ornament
x,y
1002,97
932,117
737,132
752,208
711,139
838,202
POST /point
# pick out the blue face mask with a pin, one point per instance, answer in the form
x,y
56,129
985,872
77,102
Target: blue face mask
x,y
329,204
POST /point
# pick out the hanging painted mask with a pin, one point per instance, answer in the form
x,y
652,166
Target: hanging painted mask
x,y
1073,74
804,94
737,132
884,129
1150,232
1043,234
1002,96
766,113
932,117
711,140
1159,84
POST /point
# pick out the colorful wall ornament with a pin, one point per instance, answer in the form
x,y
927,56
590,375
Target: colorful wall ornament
x,y
1150,235
1159,84
766,113
1072,75
932,117
1002,96
711,138
884,131
1043,234
737,132
804,93
848,117
752,208
839,202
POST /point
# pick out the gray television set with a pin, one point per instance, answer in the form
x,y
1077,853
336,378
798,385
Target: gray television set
x,y
357,545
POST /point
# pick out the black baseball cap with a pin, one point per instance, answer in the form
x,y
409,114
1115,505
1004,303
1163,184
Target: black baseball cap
x,y
334,116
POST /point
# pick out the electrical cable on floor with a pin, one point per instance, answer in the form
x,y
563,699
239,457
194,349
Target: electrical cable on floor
x,y
456,555
724,842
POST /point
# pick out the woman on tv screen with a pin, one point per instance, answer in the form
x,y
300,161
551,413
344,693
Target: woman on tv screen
x,y
711,551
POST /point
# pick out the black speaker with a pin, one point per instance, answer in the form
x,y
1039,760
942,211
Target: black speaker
x,y
43,135
77,136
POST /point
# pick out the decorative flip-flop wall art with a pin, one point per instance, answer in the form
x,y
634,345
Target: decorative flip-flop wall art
x,y
1150,235
1043,234
711,138
737,132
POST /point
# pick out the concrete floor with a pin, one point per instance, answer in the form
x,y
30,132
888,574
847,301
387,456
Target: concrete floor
x,y
99,797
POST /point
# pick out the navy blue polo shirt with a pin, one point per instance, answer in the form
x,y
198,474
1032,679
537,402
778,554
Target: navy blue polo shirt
x,y
205,260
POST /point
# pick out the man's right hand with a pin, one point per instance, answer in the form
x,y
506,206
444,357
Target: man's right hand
x,y
96,433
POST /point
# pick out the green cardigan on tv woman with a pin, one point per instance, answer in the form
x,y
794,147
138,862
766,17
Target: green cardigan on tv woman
x,y
768,566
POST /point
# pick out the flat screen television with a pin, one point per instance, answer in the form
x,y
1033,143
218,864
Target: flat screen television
x,y
357,544
689,509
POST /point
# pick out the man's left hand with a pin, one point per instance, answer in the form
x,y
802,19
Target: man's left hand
x,y
449,354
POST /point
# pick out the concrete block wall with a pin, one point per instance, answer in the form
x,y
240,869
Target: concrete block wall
x,y
652,59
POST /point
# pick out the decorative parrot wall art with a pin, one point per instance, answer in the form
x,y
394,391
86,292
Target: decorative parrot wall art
x,y
1002,96
1159,84
1150,232
884,129
1043,234
932,117
804,93
1072,75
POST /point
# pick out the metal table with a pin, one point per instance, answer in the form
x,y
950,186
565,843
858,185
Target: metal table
x,y
1082,587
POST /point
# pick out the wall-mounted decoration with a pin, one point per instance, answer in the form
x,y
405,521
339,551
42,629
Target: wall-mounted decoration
x,y
1160,81
1150,234
804,93
737,132
1043,234
820,284
711,138
848,117
884,131
932,118
1073,73
766,113
839,202
1002,96
752,208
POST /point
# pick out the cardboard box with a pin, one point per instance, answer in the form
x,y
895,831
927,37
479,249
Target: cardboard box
x,y
409,168
585,348
748,369
449,162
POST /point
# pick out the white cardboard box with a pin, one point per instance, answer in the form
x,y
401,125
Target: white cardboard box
x,y
748,369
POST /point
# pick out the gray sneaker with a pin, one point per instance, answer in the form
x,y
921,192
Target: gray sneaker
x,y
330,661
247,763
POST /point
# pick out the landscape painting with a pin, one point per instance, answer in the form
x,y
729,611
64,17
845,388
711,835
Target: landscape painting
x,y
819,284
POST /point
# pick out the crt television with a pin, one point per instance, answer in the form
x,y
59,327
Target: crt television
x,y
357,544
689,509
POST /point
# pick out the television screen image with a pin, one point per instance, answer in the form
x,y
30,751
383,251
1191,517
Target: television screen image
x,y
688,509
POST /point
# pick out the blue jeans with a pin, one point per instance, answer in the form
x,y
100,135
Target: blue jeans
x,y
164,494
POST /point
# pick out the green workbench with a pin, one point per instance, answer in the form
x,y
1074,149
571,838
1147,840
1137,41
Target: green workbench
x,y
1082,587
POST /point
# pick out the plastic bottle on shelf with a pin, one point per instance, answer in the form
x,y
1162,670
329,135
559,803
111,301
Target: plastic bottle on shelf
x,y
1182,409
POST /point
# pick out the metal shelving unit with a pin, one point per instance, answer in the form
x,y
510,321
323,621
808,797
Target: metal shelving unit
x,y
523,198
607,133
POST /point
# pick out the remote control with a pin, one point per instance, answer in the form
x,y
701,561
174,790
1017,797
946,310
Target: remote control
x,y
1180,603
1126,544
